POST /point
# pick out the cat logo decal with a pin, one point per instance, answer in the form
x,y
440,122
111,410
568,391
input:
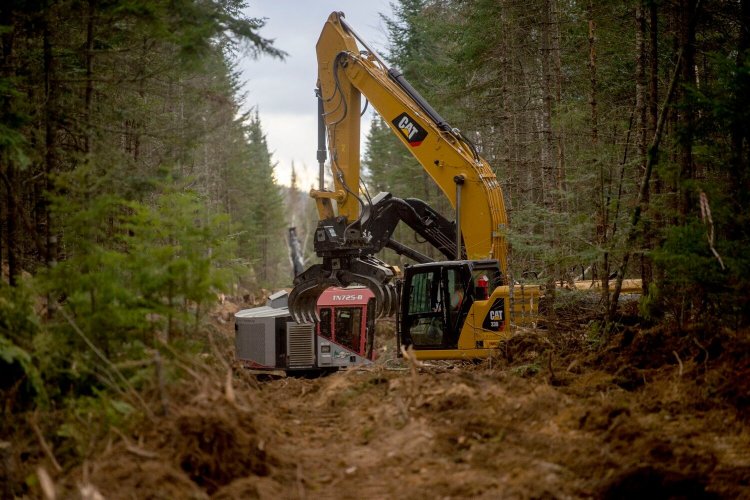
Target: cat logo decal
x,y
410,129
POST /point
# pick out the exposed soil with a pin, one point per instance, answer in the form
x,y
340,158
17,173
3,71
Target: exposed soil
x,y
651,414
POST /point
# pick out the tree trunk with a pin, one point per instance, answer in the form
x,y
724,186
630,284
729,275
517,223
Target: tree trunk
x,y
11,220
739,132
640,81
89,92
653,152
548,162
9,183
603,206
686,115
592,76
653,61
653,107
642,124
560,133
508,120
50,254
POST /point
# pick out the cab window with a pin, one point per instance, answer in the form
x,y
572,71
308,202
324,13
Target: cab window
x,y
370,328
457,294
348,326
427,309
426,294
324,327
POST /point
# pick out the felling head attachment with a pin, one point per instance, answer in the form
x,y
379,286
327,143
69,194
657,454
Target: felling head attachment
x,y
343,272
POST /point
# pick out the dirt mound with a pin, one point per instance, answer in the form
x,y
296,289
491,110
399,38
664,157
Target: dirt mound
x,y
209,441
553,415
653,482
250,487
543,419
216,444
715,360
121,473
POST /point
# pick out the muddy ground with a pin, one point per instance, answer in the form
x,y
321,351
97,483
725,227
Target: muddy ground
x,y
646,413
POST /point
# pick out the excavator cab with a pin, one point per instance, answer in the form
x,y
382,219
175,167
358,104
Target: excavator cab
x,y
435,300
437,303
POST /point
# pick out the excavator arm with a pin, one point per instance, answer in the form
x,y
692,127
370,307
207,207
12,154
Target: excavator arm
x,y
348,237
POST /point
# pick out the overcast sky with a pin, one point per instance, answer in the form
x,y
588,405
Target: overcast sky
x,y
283,91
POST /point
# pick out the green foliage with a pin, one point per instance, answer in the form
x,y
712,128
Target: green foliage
x,y
18,322
388,165
198,27
257,210
693,280
527,370
649,307
10,355
135,268
88,420
547,90
176,253
18,325
136,191
13,143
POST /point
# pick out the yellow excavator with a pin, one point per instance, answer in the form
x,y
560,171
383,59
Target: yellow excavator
x,y
457,308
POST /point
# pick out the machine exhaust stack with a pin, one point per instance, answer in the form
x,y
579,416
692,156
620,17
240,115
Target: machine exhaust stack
x,y
459,180
321,155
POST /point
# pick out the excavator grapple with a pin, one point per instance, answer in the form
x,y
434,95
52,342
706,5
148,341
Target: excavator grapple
x,y
348,252
343,272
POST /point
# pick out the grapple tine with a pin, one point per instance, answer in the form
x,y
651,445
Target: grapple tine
x,y
384,298
385,294
385,311
377,289
388,309
303,299
311,305
310,285
305,310
391,299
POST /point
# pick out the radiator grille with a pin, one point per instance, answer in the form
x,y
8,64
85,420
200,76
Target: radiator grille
x,y
301,345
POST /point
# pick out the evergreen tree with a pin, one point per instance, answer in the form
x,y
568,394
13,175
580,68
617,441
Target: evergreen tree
x,y
563,99
261,218
118,151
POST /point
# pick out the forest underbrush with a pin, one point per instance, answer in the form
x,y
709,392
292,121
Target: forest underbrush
x,y
557,413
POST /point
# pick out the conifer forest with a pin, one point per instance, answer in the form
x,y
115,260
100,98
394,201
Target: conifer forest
x,y
140,209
